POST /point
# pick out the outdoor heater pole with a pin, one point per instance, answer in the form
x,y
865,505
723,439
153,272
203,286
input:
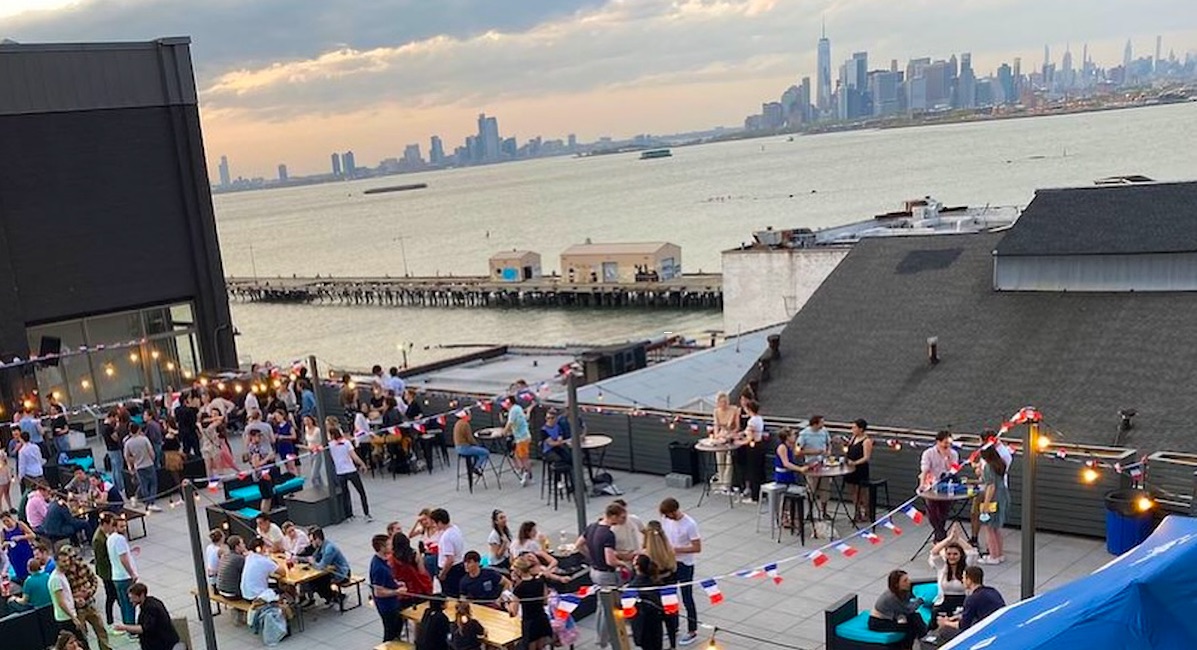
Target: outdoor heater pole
x,y
1030,441
571,386
330,475
197,561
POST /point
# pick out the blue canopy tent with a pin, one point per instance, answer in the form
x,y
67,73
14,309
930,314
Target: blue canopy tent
x,y
1142,600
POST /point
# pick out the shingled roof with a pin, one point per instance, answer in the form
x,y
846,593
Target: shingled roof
x,y
858,349
1107,220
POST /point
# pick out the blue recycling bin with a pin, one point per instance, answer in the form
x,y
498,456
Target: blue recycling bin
x,y
1126,525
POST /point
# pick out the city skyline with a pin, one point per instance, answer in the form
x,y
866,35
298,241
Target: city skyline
x,y
592,67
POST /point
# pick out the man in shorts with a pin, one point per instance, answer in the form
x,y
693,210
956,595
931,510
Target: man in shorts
x,y
517,428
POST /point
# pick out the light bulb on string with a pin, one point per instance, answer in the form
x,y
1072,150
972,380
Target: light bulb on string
x,y
1089,475
85,384
133,358
1145,503
109,370
155,354
1042,442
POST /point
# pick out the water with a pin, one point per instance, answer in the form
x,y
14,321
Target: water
x,y
706,199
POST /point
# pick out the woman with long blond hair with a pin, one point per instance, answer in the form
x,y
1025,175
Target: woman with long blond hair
x,y
660,551
726,425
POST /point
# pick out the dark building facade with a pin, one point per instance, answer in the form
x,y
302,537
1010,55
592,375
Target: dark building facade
x,y
107,232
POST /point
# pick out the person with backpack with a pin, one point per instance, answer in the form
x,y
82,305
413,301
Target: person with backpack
x,y
434,630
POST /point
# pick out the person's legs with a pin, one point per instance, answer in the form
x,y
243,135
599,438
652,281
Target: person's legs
x,y
128,611
685,574
117,461
346,502
323,587
90,616
147,485
109,600
356,479
937,512
392,622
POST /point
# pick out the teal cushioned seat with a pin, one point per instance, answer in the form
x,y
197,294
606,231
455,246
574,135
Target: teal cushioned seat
x,y
857,627
288,486
86,463
246,493
249,513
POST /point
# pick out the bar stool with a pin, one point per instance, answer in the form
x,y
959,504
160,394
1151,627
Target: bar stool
x,y
561,480
769,500
793,501
471,475
874,484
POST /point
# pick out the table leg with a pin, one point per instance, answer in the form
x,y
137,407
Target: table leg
x,y
704,467
841,505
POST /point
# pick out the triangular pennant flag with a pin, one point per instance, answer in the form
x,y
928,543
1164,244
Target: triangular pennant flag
x,y
750,573
872,537
845,550
627,601
771,571
888,523
818,558
669,600
712,588
440,419
566,605
915,515
584,591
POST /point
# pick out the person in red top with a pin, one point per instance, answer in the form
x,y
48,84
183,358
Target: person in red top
x,y
408,571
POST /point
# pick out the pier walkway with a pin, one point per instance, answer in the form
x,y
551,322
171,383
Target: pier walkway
x,y
694,291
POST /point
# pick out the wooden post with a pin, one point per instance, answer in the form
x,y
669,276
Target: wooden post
x,y
609,598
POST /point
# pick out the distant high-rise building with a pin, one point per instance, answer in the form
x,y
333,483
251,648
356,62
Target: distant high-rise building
x,y
412,156
336,164
348,163
282,173
885,92
772,116
1127,56
1065,80
1017,81
823,73
1155,63
804,100
436,150
1005,81
225,179
488,138
966,83
572,142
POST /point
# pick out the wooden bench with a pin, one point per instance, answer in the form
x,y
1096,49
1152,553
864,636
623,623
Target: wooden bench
x,y
355,582
394,645
238,604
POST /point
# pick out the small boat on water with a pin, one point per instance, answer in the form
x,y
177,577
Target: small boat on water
x,y
655,153
396,188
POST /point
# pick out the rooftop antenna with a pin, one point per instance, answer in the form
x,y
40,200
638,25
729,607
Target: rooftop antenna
x,y
824,19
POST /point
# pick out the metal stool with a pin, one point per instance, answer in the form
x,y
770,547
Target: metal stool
x,y
794,499
561,474
470,473
873,484
769,500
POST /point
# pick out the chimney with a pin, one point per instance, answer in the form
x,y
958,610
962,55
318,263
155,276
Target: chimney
x,y
775,345
933,349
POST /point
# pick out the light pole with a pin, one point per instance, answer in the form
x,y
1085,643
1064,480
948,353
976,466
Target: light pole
x,y
197,562
403,255
571,392
1030,447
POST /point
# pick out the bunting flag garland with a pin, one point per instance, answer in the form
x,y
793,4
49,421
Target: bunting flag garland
x,y
584,591
771,571
818,558
750,573
566,605
845,550
712,588
915,515
888,523
669,600
441,420
873,538
627,601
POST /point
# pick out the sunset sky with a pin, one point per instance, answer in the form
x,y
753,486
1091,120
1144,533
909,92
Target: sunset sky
x,y
289,81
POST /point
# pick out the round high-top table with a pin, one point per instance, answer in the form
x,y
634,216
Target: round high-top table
x,y
591,442
711,449
834,473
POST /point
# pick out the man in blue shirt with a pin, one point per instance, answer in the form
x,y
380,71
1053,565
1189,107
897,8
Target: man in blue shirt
x,y
980,603
481,584
386,589
814,443
33,426
555,438
327,557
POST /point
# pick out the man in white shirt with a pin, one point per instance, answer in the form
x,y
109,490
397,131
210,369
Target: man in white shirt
x,y
66,617
124,569
682,532
450,553
270,533
29,460
255,577
937,463
395,383
814,442
252,406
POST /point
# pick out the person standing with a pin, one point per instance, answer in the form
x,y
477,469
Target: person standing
x,y
311,439
682,532
124,568
153,628
30,464
451,549
752,455
346,462
1008,457
598,541
139,454
187,419
530,592
66,618
814,443
517,428
385,589
938,463
996,503
726,420
99,547
156,434
860,451
84,585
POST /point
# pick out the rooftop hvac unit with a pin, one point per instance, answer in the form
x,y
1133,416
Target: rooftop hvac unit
x,y
791,238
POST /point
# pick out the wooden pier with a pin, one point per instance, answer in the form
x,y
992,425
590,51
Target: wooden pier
x,y
696,291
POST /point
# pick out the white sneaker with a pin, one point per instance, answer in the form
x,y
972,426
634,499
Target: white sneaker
x,y
153,508
688,638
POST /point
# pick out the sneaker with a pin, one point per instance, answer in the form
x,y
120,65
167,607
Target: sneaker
x,y
523,480
153,508
112,631
989,559
369,519
748,500
688,638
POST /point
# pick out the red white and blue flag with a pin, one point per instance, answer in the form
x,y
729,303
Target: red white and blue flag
x,y
889,523
771,571
669,600
566,605
627,601
873,538
915,515
845,550
818,558
712,588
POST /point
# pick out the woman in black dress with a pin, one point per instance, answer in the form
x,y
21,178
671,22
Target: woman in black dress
x,y
649,623
530,589
860,450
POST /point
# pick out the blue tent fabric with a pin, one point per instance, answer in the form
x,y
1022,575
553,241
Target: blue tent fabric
x,y
1141,600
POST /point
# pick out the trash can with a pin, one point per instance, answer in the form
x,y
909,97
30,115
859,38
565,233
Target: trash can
x,y
683,459
1127,524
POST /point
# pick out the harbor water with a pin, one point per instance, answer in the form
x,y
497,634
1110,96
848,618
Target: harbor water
x,y
705,198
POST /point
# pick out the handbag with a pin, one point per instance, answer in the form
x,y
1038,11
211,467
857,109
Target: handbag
x,y
174,461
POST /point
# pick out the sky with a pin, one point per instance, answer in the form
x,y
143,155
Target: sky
x,y
290,81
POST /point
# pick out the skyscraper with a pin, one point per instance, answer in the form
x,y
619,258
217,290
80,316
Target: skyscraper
x,y
348,163
336,164
966,83
804,105
1155,63
436,150
823,88
282,173
224,171
1127,55
488,138
572,141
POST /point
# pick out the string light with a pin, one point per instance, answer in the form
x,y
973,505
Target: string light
x,y
133,357
1042,442
220,386
154,354
237,388
1089,475
28,404
1145,503
56,395
85,384
109,370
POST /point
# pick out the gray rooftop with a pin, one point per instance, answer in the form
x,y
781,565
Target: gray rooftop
x,y
858,349
494,376
689,382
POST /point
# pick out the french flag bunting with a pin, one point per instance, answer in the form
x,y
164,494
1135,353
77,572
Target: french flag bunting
x,y
915,515
669,600
486,406
750,573
771,571
845,550
712,588
627,602
566,605
873,538
584,591
889,523
419,426
440,419
818,558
